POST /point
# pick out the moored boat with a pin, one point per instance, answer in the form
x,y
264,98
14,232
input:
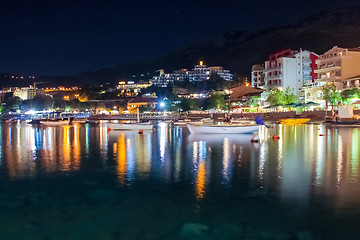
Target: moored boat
x,y
222,129
294,121
130,126
345,116
55,122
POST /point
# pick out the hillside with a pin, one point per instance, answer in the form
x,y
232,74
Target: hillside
x,y
238,51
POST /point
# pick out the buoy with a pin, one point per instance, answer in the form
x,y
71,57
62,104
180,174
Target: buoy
x,y
108,129
141,131
276,137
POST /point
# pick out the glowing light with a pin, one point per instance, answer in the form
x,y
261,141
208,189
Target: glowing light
x,y
121,160
162,104
200,181
226,159
31,112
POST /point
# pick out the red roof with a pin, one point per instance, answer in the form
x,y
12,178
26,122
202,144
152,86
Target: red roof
x,y
244,91
142,100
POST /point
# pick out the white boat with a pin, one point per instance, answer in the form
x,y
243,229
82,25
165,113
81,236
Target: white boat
x,y
222,129
130,126
213,139
55,122
186,121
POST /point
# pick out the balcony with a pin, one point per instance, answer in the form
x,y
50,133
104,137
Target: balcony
x,y
328,69
329,79
328,59
351,84
266,70
273,77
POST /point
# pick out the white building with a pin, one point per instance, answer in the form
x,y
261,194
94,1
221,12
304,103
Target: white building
x,y
257,76
198,74
27,93
290,69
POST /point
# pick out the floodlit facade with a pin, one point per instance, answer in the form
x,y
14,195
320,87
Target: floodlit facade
x,y
27,93
199,73
257,76
339,66
290,69
280,70
131,88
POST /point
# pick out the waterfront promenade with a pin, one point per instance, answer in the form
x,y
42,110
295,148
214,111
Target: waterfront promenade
x,y
269,116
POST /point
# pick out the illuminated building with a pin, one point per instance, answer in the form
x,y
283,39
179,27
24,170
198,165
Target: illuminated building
x,y
27,93
243,94
138,102
290,69
340,66
131,88
257,76
199,73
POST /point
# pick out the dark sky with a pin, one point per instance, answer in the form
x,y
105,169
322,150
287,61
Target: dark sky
x,y
68,37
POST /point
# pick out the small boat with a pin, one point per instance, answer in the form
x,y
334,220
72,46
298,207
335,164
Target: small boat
x,y
33,121
13,120
186,121
345,116
79,120
222,129
214,139
294,121
92,121
182,122
130,126
167,121
55,122
342,121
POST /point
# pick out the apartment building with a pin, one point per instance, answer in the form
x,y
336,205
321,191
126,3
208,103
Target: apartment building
x,y
199,73
339,66
257,76
27,93
290,69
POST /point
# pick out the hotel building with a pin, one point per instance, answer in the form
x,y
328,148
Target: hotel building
x,y
340,66
290,69
27,93
198,74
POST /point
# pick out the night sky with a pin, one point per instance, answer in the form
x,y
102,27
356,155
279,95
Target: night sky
x,y
68,37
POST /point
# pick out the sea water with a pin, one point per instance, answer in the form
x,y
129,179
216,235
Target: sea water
x,y
85,182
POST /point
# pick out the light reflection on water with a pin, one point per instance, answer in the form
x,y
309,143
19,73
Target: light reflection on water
x,y
300,166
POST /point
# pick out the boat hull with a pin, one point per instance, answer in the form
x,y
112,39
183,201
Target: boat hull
x,y
294,121
130,126
55,123
220,129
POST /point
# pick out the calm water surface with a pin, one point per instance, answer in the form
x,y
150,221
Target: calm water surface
x,y
83,182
